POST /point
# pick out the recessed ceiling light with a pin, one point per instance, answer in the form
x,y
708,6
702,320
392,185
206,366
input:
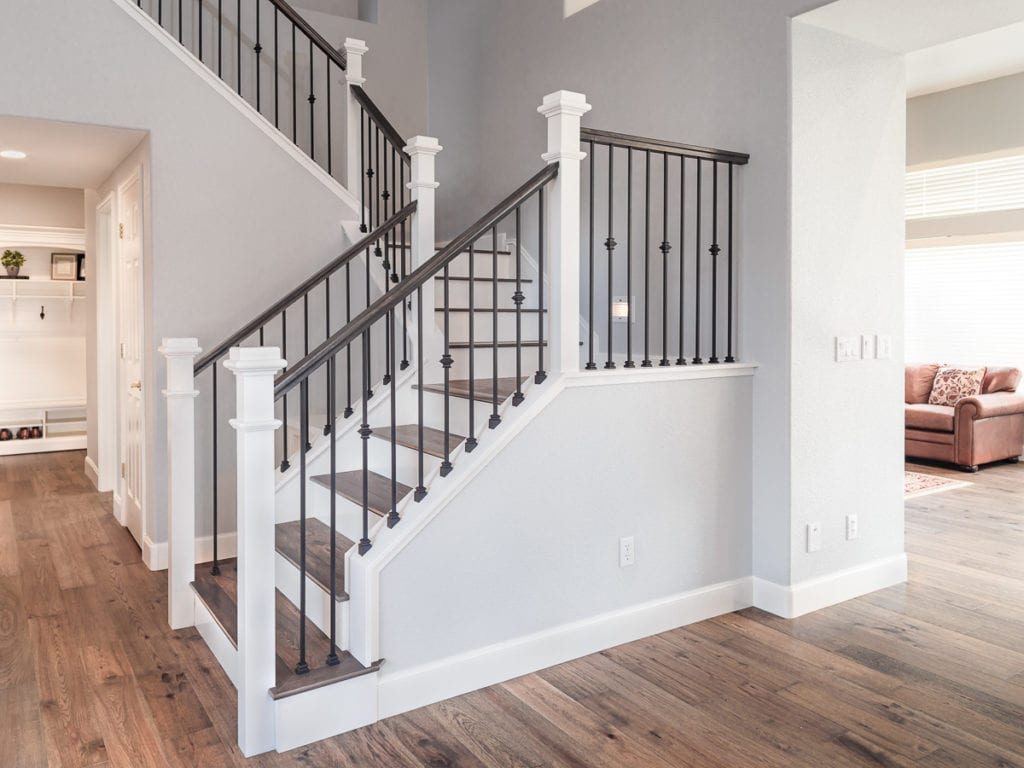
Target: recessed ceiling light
x,y
13,154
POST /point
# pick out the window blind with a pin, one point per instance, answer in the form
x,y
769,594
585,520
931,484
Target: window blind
x,y
988,185
965,304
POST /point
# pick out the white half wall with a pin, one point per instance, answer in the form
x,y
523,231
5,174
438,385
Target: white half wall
x,y
235,219
848,118
536,563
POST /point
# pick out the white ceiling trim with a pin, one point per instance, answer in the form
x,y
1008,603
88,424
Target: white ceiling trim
x,y
15,236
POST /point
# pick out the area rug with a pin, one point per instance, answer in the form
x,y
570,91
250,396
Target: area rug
x,y
919,484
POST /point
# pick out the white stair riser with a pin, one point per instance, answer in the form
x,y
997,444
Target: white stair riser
x,y
458,413
458,294
483,326
483,363
318,601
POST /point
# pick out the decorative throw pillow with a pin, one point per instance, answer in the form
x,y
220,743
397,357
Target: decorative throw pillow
x,y
954,384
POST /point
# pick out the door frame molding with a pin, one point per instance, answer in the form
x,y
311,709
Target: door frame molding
x,y
106,349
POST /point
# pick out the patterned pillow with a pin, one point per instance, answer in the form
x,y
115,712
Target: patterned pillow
x,y
954,384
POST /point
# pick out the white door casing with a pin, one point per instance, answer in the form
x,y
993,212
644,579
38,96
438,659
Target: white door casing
x,y
131,444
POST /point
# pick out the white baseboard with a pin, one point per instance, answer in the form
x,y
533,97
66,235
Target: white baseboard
x,y
92,472
409,689
154,554
815,594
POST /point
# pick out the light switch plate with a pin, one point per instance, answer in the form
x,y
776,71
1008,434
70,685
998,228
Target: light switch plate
x,y
813,537
847,349
883,346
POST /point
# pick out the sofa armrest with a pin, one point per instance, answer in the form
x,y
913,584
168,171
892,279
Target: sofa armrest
x,y
986,406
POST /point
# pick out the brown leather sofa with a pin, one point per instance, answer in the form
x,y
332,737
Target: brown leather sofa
x,y
977,430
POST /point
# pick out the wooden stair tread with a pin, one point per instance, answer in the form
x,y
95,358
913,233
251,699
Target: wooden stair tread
x,y
407,435
483,391
439,246
350,485
489,309
318,552
490,345
222,590
478,279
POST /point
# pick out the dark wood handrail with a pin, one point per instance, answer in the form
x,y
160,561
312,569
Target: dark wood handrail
x,y
250,328
365,319
338,57
389,131
626,141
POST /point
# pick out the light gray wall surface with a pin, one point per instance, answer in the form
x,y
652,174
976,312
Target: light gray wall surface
x,y
715,74
29,205
962,122
666,462
235,220
847,279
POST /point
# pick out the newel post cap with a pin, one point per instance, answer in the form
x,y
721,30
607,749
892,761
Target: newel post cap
x,y
422,145
354,47
180,348
245,360
564,103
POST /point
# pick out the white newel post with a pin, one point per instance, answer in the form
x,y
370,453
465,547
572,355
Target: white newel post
x,y
354,51
423,151
563,110
181,479
255,369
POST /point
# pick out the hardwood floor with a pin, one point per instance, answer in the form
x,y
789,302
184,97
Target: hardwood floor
x,y
926,674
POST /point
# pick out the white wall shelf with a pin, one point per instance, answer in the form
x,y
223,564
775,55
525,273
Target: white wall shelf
x,y
41,291
62,424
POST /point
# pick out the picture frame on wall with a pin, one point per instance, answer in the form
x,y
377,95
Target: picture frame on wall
x,y
63,266
80,272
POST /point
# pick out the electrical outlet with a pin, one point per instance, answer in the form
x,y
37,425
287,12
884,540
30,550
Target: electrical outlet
x,y
847,349
883,346
813,537
627,552
867,347
852,527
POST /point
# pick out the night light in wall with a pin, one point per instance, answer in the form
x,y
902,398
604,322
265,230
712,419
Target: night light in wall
x,y
620,309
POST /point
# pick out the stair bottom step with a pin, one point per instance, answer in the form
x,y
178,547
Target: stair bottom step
x,y
220,595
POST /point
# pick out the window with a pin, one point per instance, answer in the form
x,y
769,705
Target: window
x,y
988,185
965,304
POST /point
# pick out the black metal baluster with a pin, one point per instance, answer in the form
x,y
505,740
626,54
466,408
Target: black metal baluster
x,y
629,259
367,392
405,308
329,425
386,265
681,360
220,38
180,20
591,365
696,276
541,374
714,250
446,365
305,351
729,356
471,442
285,464
364,433
646,363
495,419
348,349
665,248
364,173
215,570
330,142
376,161
258,49
421,489
393,514
610,244
200,15
302,667
238,44
312,105
394,208
159,12
332,415
517,298
295,90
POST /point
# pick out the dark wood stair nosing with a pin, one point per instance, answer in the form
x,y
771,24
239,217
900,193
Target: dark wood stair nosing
x,y
311,573
321,677
380,511
437,452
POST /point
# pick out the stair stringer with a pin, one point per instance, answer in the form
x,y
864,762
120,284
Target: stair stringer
x,y
164,38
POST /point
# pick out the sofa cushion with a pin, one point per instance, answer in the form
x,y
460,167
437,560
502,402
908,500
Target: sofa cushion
x,y
918,382
1000,380
954,384
937,418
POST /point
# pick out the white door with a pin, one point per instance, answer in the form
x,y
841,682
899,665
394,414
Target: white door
x,y
130,344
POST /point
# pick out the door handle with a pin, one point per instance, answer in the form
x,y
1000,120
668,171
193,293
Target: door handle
x,y
136,385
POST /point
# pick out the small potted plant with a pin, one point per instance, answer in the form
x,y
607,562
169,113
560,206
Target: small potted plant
x,y
12,261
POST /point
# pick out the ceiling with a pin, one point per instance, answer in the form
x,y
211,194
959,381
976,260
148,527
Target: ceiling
x,y
910,25
974,59
63,154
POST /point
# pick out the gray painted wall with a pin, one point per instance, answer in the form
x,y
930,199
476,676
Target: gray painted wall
x,y
715,74
28,205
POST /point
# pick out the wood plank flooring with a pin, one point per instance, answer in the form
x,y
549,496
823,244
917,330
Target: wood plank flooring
x,y
930,673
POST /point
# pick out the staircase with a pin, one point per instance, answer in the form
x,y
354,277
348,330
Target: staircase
x,y
405,358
